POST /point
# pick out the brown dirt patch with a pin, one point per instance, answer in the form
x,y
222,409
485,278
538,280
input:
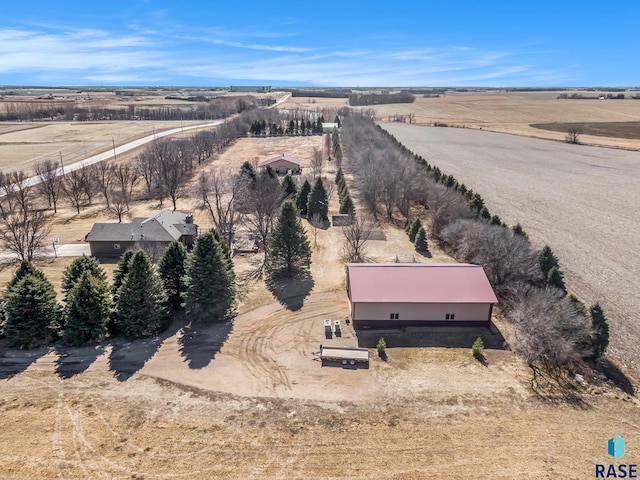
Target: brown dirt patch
x,y
629,130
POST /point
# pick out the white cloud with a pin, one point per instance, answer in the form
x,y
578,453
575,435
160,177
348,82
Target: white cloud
x,y
215,56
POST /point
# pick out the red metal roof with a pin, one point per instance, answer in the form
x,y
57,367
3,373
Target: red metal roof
x,y
419,283
287,158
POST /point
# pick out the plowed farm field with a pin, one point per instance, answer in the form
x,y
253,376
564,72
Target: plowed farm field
x,y
582,201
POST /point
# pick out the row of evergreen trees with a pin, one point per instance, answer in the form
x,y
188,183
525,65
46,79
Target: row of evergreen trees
x,y
346,203
313,202
417,235
139,303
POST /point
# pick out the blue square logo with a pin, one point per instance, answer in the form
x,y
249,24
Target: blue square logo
x,y
615,447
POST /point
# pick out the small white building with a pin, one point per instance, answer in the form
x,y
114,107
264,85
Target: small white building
x,y
384,295
327,127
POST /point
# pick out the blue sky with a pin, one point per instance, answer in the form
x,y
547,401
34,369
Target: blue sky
x,y
315,43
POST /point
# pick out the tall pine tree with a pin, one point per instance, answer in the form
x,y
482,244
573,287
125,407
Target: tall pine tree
x,y
413,230
318,201
302,199
421,241
141,305
32,313
289,186
88,310
172,268
211,288
547,260
289,250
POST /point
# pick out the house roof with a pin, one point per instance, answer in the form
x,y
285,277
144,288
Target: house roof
x,y
164,226
418,283
287,158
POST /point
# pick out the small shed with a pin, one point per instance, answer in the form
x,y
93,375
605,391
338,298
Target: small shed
x,y
327,127
283,164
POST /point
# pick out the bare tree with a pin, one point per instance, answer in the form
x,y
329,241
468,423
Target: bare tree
x,y
261,202
219,193
573,134
316,163
316,221
146,166
104,178
50,181
125,179
119,205
24,228
73,187
172,172
356,236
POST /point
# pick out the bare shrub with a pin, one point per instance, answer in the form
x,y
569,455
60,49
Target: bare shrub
x,y
356,236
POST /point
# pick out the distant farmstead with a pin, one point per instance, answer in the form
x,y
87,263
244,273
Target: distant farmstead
x,y
157,230
282,164
388,295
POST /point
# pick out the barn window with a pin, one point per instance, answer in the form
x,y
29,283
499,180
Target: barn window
x,y
116,246
394,316
450,316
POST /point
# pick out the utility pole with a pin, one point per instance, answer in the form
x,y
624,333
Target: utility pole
x,y
114,149
61,162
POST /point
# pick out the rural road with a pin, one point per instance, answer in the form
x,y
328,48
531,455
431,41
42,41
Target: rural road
x,y
119,150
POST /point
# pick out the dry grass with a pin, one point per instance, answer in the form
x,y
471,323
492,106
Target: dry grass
x,y
258,404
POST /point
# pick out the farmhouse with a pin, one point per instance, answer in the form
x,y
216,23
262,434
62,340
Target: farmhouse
x,y
387,295
283,164
158,230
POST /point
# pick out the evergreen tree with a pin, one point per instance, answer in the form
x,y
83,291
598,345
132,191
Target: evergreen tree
x,y
211,289
346,206
318,201
495,220
337,121
74,271
600,332
88,310
555,278
141,305
172,270
120,272
31,312
302,199
339,176
421,241
484,213
517,230
25,268
547,260
289,186
226,252
289,249
268,172
248,171
413,231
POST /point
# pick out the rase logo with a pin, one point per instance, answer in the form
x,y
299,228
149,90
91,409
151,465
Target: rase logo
x,y
615,449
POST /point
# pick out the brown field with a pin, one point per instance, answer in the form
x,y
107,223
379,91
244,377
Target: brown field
x,y
508,112
580,200
629,130
22,144
249,399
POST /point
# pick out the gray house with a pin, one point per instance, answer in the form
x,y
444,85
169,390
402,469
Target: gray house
x,y
158,230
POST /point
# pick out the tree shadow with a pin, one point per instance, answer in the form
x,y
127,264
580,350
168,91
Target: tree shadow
x,y
14,361
74,360
129,356
617,376
556,387
424,253
200,344
291,292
